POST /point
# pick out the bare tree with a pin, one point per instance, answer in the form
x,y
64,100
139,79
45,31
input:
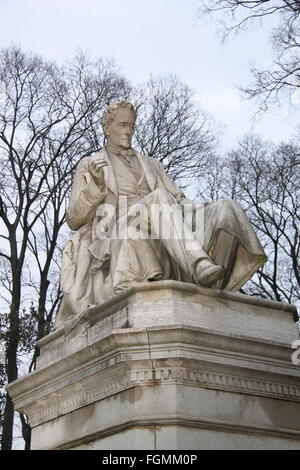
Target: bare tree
x,y
283,77
48,120
264,179
173,129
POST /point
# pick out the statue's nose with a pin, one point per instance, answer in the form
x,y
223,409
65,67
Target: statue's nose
x,y
127,131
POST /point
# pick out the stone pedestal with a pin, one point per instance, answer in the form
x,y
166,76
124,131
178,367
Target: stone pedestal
x,y
167,365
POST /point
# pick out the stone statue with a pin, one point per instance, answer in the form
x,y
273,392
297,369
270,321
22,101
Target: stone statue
x,y
120,202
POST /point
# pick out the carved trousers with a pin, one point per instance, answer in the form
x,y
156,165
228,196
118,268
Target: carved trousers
x,y
158,238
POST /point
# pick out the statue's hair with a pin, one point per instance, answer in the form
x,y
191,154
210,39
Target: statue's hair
x,y
109,114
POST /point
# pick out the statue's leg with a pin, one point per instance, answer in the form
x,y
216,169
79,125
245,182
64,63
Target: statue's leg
x,y
134,261
231,241
164,217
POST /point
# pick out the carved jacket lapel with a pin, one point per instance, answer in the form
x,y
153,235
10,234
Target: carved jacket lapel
x,y
149,170
109,174
110,178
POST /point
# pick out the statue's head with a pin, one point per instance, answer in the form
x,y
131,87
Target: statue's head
x,y
118,122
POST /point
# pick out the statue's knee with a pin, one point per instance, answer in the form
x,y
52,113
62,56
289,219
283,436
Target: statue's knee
x,y
231,202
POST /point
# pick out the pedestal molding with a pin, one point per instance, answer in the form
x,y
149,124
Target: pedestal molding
x,y
58,405
114,302
161,420
162,355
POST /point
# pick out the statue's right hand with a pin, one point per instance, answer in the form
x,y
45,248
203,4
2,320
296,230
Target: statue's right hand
x,y
96,169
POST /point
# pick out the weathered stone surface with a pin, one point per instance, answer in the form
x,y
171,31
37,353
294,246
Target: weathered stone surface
x,y
133,224
167,365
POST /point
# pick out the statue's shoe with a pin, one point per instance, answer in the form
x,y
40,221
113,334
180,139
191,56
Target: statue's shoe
x,y
208,274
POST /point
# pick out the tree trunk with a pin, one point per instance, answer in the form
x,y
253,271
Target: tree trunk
x,y
11,363
8,420
26,431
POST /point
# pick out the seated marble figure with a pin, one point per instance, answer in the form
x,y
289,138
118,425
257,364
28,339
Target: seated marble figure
x,y
117,191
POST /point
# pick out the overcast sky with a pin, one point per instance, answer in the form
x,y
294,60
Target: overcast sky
x,y
154,37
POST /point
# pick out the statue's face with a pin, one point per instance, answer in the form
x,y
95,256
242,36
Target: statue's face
x,y
120,131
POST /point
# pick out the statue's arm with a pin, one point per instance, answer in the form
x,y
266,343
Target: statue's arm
x,y
86,196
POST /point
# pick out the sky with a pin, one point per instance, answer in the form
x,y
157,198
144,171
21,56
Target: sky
x,y
155,37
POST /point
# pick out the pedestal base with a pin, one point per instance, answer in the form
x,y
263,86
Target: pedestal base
x,y
167,365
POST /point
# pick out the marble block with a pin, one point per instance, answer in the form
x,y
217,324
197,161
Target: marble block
x,y
167,365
